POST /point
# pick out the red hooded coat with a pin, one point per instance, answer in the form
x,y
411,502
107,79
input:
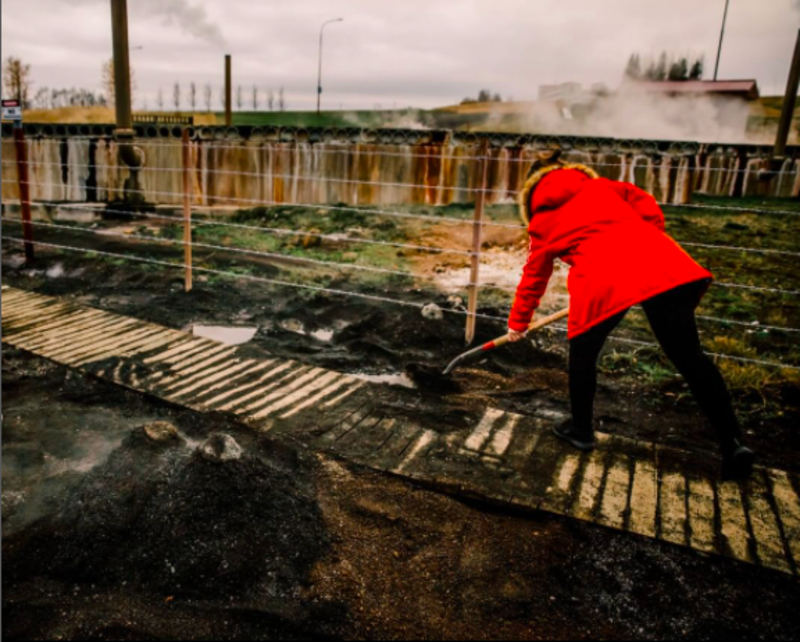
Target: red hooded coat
x,y
612,236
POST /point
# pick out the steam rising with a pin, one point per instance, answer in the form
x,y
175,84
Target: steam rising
x,y
635,114
190,18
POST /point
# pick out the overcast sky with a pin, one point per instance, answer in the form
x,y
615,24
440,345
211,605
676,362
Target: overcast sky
x,y
422,53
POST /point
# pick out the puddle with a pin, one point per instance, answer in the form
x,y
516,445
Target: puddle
x,y
323,335
68,215
56,271
297,327
400,379
231,336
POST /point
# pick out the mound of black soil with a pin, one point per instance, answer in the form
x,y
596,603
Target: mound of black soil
x,y
170,520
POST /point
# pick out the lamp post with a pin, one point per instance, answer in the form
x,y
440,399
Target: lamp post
x,y
319,77
721,37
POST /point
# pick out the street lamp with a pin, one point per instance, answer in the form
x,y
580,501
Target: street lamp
x,y
721,36
319,78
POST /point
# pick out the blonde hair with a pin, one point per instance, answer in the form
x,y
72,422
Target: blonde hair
x,y
537,172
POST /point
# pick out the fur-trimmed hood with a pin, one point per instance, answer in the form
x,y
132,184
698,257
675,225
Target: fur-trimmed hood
x,y
526,195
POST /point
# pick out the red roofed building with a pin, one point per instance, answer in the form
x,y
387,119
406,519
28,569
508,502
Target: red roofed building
x,y
744,89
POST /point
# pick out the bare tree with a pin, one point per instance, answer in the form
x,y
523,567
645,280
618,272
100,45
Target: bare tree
x,y
281,100
271,100
109,82
222,98
207,96
193,95
239,97
160,99
176,96
255,98
42,98
17,79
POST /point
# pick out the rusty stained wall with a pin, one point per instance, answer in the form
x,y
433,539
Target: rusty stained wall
x,y
246,173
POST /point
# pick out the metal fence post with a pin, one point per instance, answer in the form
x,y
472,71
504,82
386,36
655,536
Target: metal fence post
x,y
477,240
789,102
187,211
24,190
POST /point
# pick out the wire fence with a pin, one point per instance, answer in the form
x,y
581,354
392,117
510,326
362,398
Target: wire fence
x,y
330,237
190,195
371,297
344,239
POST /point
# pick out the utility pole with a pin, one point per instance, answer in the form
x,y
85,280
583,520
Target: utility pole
x,y
789,104
721,38
124,134
319,77
228,92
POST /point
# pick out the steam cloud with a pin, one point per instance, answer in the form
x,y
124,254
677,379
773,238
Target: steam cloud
x,y
190,18
633,114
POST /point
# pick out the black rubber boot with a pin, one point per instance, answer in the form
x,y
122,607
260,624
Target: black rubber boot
x,y
579,439
737,462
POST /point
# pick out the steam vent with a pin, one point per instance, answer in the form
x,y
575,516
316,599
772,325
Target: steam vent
x,y
242,165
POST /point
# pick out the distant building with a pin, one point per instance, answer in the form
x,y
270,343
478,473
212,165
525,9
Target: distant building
x,y
563,91
744,89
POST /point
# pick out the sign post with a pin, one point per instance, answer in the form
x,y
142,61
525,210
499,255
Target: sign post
x,y
12,110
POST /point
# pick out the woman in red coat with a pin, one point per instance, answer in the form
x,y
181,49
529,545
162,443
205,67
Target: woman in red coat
x,y
612,236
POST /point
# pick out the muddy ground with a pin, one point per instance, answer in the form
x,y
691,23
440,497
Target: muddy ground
x,y
109,535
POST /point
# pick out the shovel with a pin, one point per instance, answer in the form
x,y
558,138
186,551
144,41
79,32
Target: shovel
x,y
476,353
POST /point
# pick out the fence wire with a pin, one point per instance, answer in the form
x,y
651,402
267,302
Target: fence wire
x,y
369,297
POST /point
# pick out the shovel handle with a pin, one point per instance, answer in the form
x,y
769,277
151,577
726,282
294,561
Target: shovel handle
x,y
536,324
475,353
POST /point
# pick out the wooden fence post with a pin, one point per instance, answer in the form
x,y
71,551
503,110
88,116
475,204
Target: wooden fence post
x,y
24,190
187,211
477,240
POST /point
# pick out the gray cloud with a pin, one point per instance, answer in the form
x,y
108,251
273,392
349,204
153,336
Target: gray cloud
x,y
424,53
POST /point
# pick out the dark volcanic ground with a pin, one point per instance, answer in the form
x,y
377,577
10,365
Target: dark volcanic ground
x,y
109,535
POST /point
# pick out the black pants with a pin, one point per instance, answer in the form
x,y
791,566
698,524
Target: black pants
x,y
672,318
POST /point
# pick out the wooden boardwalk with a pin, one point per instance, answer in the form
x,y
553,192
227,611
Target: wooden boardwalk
x,y
625,485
